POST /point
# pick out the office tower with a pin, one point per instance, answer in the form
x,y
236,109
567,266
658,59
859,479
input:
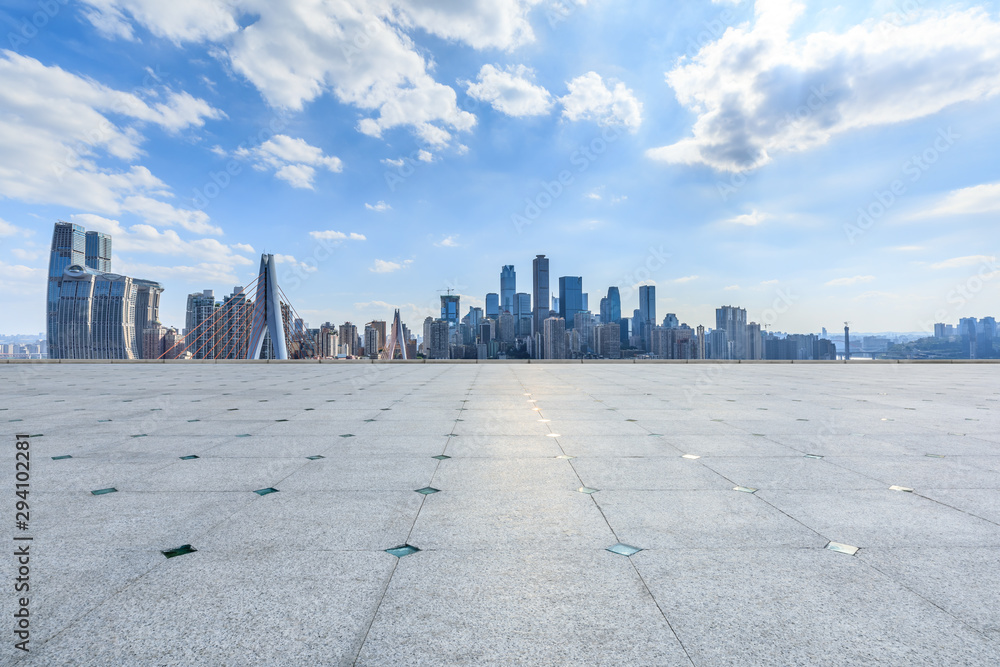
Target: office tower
x,y
824,333
734,321
671,321
523,315
585,300
492,305
603,313
540,291
583,323
68,249
506,328
614,305
755,344
555,306
199,328
570,298
508,288
449,310
98,251
475,317
147,309
554,337
700,336
939,330
967,327
623,329
647,315
373,340
349,339
153,338
235,322
173,344
847,342
426,344
94,315
440,331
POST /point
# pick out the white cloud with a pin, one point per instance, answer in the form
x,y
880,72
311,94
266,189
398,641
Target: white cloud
x,y
7,229
331,235
243,247
757,91
448,242
19,272
685,279
841,282
977,199
293,160
425,156
26,255
731,288
769,282
593,195
383,266
510,91
482,24
379,206
590,98
969,260
393,163
57,128
751,219
291,261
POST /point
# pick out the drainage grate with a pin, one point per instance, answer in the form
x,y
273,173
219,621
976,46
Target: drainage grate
x,y
402,550
101,492
179,551
623,549
427,490
189,457
842,548
267,491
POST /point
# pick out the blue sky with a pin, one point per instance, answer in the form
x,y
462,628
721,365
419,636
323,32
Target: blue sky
x,y
387,150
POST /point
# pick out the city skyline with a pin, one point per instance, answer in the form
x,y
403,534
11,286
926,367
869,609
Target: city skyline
x,y
536,131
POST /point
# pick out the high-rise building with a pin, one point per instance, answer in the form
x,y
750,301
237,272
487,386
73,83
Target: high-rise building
x,y
647,314
147,309
94,316
440,340
69,243
450,309
604,310
98,251
199,327
235,322
492,305
700,337
939,330
508,288
670,321
349,339
719,346
540,291
608,343
554,335
734,321
507,328
523,315
755,344
570,298
373,339
614,305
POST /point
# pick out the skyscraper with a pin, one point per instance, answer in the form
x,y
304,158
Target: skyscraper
x,y
540,291
522,313
614,305
449,310
98,251
555,338
68,249
647,314
198,330
570,298
508,288
492,305
734,321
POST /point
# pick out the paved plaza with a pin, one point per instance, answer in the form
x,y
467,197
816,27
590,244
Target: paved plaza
x,y
511,481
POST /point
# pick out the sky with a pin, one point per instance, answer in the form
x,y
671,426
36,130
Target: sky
x,y
814,163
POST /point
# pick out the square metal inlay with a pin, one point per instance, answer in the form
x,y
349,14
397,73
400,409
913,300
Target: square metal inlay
x,y
553,435
690,456
189,457
101,492
812,456
901,488
346,435
441,457
935,456
565,457
179,551
842,548
140,435
587,490
402,550
315,458
744,489
60,458
427,490
623,549
264,492
243,435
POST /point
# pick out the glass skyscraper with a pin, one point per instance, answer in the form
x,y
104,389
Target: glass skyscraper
x,y
540,289
508,288
614,305
493,305
69,245
570,298
98,254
